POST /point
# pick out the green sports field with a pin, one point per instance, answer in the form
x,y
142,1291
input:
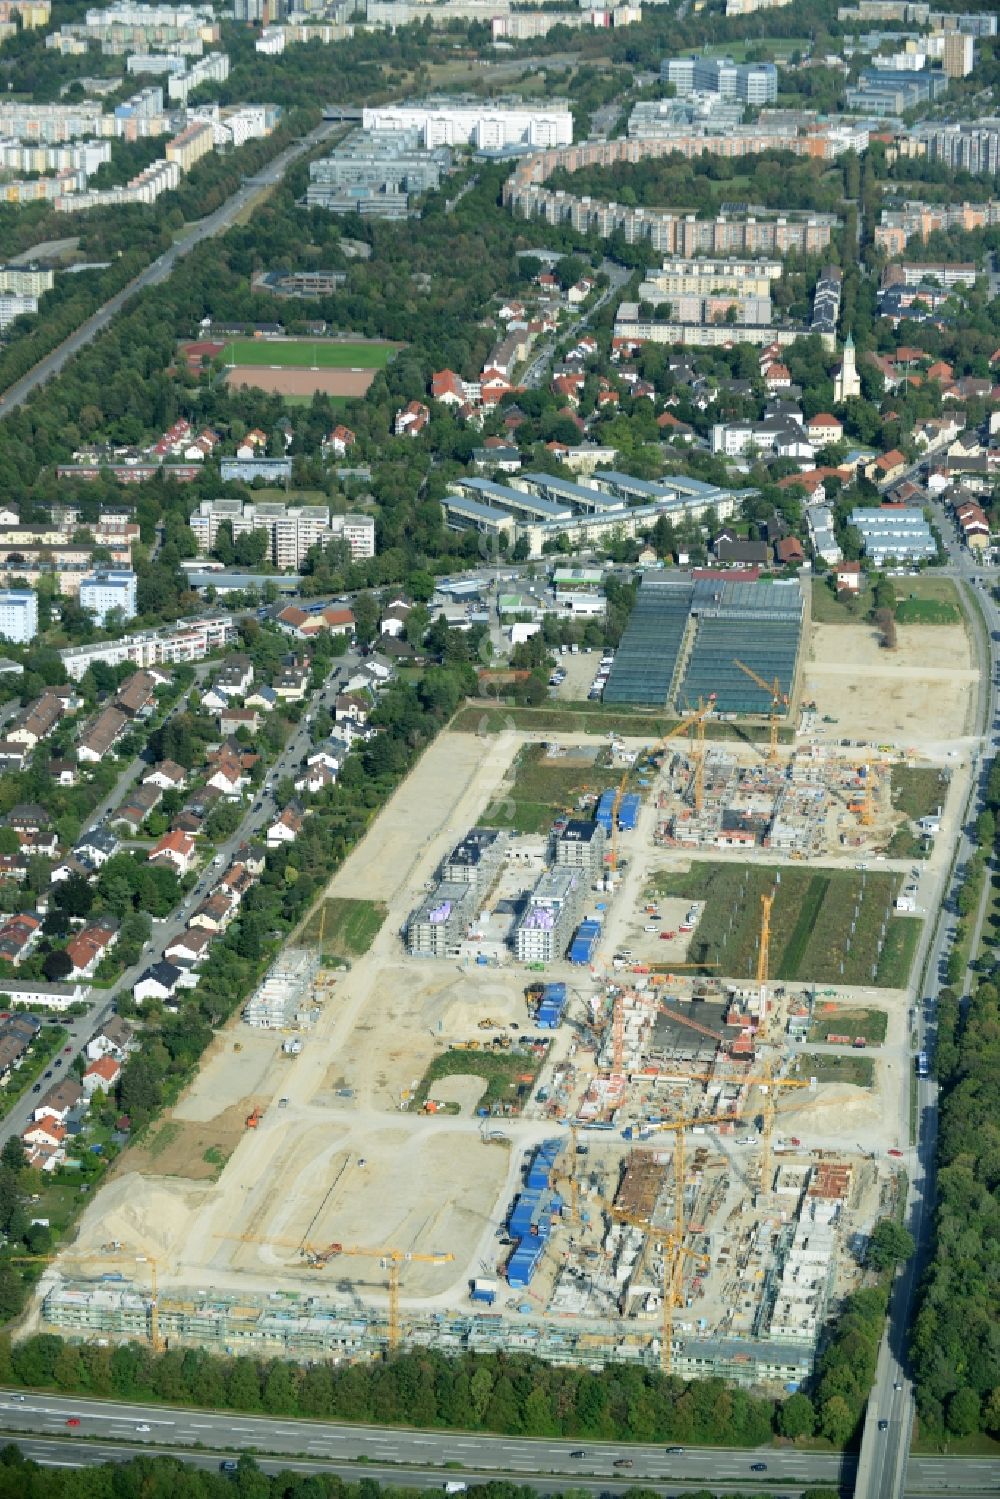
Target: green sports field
x,y
307,353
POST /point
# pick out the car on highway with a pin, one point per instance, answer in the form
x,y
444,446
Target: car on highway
x,y
673,1451
897,1153
578,1453
58,1062
73,1421
883,1426
758,1467
37,1088
624,1462
143,1427
49,1073
897,1384
67,1050
228,1465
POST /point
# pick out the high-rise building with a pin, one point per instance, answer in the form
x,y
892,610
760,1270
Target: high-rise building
x,y
846,383
18,615
959,54
107,590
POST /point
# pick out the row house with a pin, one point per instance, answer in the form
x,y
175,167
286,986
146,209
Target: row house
x,y
101,735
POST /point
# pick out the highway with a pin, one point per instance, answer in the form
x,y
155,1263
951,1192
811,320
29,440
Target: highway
x,y
159,269
884,1462
110,1431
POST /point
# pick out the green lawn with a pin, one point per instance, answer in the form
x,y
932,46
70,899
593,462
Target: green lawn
x,y
307,353
828,608
917,790
810,923
348,927
509,1075
542,789
838,1020
859,1070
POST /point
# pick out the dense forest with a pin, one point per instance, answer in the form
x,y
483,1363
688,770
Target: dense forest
x,y
956,1336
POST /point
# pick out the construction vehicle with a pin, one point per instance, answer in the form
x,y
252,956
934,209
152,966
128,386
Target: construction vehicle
x,y
253,1119
778,699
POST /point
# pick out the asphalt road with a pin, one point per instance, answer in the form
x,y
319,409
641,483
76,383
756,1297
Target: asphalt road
x,y
159,269
109,1432
884,1463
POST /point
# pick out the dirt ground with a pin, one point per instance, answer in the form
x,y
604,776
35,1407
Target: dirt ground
x,y
911,696
287,382
327,1165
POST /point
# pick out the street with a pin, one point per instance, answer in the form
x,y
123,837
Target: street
x,y
259,813
884,1465
159,269
109,1430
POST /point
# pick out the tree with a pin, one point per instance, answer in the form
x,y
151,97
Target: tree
x,y
796,1417
963,1412
74,896
58,965
366,613
890,1242
837,1420
10,844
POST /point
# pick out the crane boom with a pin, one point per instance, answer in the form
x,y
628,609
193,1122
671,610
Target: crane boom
x,y
778,698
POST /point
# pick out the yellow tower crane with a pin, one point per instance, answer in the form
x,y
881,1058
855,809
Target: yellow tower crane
x,y
778,699
319,1256
118,1257
693,723
764,956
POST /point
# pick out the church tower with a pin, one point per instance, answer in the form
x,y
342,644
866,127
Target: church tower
x,y
846,383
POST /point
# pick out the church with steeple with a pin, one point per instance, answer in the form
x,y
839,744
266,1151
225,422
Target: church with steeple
x,y
846,382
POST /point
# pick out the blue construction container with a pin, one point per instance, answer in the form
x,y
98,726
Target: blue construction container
x,y
628,812
550,1007
524,1262
583,944
605,808
542,1163
531,1214
484,1291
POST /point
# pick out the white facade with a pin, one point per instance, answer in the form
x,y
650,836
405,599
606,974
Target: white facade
x,y
359,533
14,305
18,614
103,592
475,123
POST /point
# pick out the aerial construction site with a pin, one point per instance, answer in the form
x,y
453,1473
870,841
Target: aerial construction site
x,y
623,1071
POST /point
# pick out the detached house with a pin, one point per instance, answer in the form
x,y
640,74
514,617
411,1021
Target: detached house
x,y
18,936
285,829
102,1074
88,947
412,420
175,849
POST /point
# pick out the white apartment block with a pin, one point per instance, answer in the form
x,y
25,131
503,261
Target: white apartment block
x,y
465,122
192,640
26,280
14,305
159,177
211,69
702,277
293,529
107,590
18,615
358,532
20,156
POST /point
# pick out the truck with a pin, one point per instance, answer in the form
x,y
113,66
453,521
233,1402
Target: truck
x,y
455,1486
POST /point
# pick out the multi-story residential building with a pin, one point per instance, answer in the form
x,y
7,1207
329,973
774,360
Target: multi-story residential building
x,y
192,640
292,529
959,54
917,220
580,846
159,177
18,615
973,23
211,69
107,591
892,91
673,232
359,533
26,280
123,28
971,146
14,305
487,124
194,141
751,278
544,929
704,331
